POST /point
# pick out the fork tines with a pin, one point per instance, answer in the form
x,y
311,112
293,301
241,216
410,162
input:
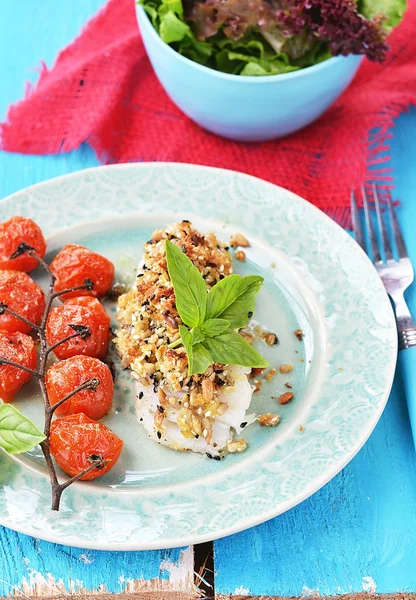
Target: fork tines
x,y
371,245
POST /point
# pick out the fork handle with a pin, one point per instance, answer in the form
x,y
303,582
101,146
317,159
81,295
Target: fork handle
x,y
407,360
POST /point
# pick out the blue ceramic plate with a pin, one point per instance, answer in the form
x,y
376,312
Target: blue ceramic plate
x,y
316,279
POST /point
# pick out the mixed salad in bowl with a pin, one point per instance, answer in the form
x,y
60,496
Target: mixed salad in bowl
x,y
269,37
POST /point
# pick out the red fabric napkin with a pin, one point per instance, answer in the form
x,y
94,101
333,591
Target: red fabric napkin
x,y
102,90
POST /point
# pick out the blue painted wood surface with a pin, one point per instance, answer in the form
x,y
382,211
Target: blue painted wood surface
x,y
358,532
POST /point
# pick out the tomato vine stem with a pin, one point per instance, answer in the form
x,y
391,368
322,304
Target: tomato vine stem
x,y
40,373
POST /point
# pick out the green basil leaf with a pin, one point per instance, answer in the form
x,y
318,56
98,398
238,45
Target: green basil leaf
x,y
186,337
189,286
230,348
234,298
213,327
17,433
202,359
197,335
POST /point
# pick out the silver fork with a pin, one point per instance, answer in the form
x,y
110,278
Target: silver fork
x,y
397,276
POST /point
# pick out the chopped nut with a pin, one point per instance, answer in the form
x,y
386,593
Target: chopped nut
x,y
256,389
288,385
239,240
158,419
222,408
270,374
240,255
302,360
299,334
255,371
268,420
236,446
285,368
162,396
270,339
207,389
273,265
301,428
286,397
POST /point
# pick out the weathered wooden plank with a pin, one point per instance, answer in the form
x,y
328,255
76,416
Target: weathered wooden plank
x,y
30,567
363,596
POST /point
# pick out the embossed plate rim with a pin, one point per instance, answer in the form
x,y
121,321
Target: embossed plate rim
x,y
102,535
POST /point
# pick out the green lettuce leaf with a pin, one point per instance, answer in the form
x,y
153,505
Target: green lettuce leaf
x,y
392,9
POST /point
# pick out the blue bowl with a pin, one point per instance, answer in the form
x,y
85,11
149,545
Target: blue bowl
x,y
242,108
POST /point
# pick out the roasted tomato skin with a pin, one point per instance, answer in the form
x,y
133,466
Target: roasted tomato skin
x,y
19,348
79,311
21,294
14,232
76,439
74,264
65,376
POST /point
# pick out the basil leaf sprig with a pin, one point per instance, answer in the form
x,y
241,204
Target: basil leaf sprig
x,y
211,318
18,434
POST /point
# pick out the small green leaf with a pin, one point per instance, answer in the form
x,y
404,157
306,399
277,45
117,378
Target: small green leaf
x,y
174,5
202,359
17,433
189,286
213,327
186,337
234,298
230,348
197,335
172,29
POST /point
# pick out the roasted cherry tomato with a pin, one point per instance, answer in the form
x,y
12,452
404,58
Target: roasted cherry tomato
x,y
22,295
19,348
74,264
76,441
84,311
65,376
14,232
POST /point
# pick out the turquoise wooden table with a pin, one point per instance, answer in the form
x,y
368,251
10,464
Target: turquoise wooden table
x,y
356,534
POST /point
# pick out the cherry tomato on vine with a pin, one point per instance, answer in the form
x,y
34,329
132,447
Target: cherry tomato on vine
x,y
65,376
15,231
76,440
83,311
22,295
19,348
74,264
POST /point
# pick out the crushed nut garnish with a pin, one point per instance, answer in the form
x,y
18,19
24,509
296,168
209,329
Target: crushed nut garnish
x,y
236,446
302,360
268,420
286,397
285,368
270,339
273,265
301,428
239,240
299,334
149,323
270,374
240,255
288,385
255,371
